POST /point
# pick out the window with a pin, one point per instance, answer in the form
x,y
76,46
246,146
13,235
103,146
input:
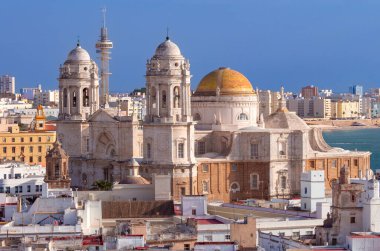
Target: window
x,y
296,235
355,162
197,117
86,97
1,189
180,150
205,187
148,150
16,189
309,232
352,219
5,176
87,144
163,104
31,159
186,246
22,140
18,176
312,164
333,163
30,149
20,189
4,140
282,148
64,97
39,139
74,99
183,191
9,176
352,198
13,140
305,190
7,190
243,116
22,148
30,139
254,151
193,211
38,188
4,149
254,181
205,168
304,205
39,159
39,149
227,237
176,97
283,182
13,149
28,188
201,147
281,234
234,167
13,158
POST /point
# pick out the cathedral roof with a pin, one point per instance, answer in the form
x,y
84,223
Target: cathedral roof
x,y
283,119
78,54
224,81
167,49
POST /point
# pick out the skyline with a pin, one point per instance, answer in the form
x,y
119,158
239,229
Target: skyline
x,y
272,43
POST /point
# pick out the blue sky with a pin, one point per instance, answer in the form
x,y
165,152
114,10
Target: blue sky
x,y
328,43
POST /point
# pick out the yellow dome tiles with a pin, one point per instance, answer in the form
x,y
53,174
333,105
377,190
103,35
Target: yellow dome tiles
x,y
224,81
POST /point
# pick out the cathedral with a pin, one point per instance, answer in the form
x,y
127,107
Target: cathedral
x,y
210,141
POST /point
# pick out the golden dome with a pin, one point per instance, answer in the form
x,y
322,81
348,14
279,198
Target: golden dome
x,y
226,82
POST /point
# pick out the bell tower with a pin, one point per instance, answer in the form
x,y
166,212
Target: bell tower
x,y
78,86
57,175
168,125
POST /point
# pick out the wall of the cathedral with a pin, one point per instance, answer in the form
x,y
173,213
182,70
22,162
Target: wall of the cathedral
x,y
228,112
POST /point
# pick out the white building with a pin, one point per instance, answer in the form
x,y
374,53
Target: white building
x,y
194,205
22,179
46,98
7,84
312,189
220,246
367,241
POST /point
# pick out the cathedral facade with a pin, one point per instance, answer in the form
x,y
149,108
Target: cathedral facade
x,y
212,141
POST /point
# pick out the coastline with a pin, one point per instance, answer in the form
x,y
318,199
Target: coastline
x,y
332,125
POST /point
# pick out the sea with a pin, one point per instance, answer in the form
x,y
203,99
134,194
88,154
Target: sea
x,y
366,139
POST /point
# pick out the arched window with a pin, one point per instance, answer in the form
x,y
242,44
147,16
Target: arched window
x,y
65,97
86,97
148,150
74,99
197,117
243,116
283,182
282,148
234,187
176,97
56,170
180,150
163,104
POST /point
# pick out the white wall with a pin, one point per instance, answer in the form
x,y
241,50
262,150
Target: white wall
x,y
199,203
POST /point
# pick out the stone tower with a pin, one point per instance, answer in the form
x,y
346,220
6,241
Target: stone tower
x,y
168,125
78,86
57,176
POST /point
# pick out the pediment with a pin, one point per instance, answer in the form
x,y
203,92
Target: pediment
x,y
101,116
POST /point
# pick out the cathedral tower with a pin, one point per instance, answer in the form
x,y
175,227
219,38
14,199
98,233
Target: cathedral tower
x,y
168,125
78,86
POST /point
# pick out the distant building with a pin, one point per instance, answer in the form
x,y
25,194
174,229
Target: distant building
x,y
357,90
27,146
28,92
7,85
344,109
46,98
325,93
309,91
375,110
310,108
